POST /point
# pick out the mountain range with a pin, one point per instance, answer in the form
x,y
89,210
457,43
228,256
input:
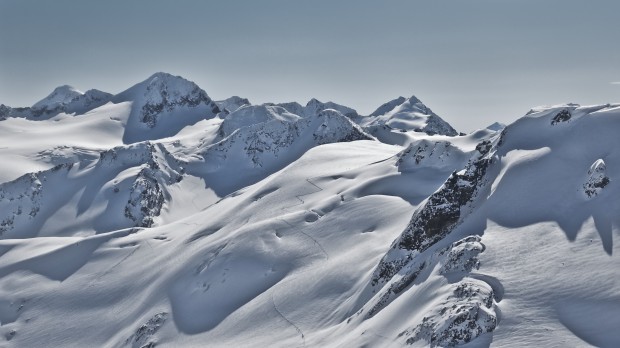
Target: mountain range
x,y
160,217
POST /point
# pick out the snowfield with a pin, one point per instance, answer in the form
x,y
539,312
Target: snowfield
x,y
159,217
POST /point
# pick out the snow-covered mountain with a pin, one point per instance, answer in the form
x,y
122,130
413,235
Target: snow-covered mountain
x,y
158,217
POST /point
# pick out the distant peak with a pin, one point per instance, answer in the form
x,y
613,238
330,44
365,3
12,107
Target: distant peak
x,y
163,75
389,106
313,101
59,96
65,89
496,126
413,99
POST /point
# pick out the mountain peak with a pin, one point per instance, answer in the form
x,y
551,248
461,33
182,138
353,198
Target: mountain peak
x,y
166,102
61,95
410,114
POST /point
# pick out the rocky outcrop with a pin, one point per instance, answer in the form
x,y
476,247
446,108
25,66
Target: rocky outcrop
x,y
438,216
143,337
231,104
463,316
427,153
21,199
408,114
597,179
562,116
147,193
264,141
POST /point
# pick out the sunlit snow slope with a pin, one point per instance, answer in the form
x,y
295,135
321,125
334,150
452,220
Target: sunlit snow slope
x,y
158,217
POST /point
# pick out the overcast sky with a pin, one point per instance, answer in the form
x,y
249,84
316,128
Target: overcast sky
x,y
472,61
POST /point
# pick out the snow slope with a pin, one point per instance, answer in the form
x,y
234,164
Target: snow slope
x,y
149,221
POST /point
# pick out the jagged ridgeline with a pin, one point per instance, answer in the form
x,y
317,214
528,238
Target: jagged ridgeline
x,y
161,217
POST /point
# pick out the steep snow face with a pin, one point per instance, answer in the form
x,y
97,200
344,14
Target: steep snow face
x,y
232,104
408,114
162,105
249,115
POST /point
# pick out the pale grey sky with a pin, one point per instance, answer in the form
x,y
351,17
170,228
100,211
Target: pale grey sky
x,y
472,61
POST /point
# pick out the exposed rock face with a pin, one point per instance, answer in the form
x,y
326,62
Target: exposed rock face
x,y
158,169
20,199
464,315
389,106
253,114
232,104
261,142
5,111
164,92
336,128
562,116
434,154
470,310
460,257
146,199
314,107
64,99
408,114
143,337
439,215
597,179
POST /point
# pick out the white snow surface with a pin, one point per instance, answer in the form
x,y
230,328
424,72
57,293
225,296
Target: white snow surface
x,y
272,226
